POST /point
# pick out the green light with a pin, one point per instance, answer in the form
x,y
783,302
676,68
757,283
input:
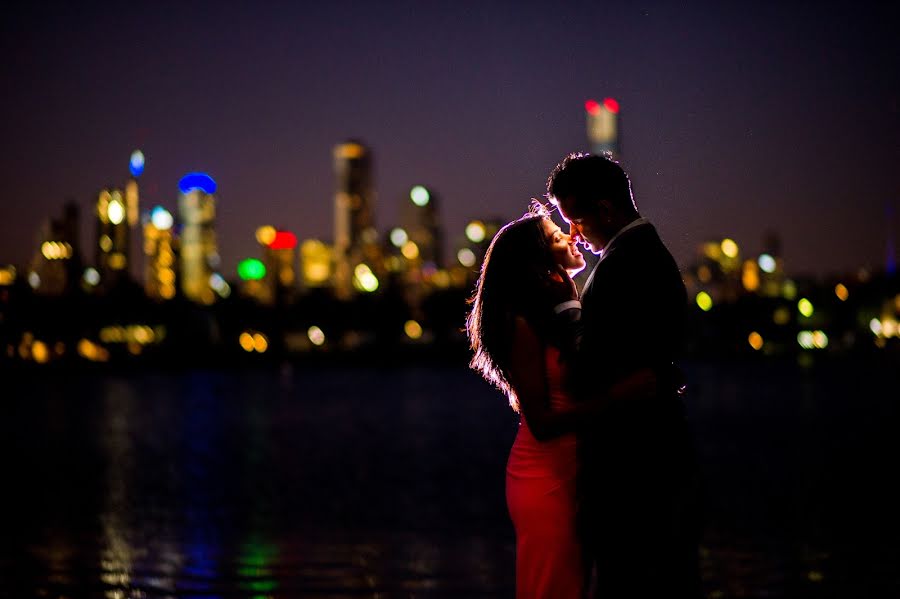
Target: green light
x,y
805,307
251,269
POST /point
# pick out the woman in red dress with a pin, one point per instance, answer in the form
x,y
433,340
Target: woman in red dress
x,y
515,348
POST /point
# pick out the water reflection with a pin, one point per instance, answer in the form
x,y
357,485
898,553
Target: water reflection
x,y
363,483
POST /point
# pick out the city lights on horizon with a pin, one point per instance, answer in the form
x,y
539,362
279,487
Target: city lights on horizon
x,y
183,261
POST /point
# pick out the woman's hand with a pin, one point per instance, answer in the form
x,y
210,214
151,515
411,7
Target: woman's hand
x,y
559,287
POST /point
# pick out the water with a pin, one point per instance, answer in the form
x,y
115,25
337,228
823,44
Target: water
x,y
293,482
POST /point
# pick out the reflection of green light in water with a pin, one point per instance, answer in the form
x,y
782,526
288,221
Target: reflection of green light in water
x,y
254,567
253,572
262,586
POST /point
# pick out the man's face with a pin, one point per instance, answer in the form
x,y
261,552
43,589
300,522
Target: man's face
x,y
584,227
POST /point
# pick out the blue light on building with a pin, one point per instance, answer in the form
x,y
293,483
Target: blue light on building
x,y
136,164
201,181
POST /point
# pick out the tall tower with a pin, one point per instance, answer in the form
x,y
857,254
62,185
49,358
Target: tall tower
x,y
356,248
420,218
57,265
199,252
603,126
132,213
113,238
159,249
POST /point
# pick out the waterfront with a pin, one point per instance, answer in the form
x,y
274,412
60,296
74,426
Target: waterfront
x,y
332,482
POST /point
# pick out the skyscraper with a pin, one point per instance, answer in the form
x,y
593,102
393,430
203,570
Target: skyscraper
x,y
57,264
355,239
132,213
420,219
113,238
159,249
603,126
199,251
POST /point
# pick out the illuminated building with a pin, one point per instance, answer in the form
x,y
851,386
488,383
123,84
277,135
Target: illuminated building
x,y
113,238
159,249
420,220
252,274
280,257
355,238
771,266
57,263
132,213
199,256
315,263
603,125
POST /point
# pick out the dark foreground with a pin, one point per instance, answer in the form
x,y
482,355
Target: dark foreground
x,y
355,482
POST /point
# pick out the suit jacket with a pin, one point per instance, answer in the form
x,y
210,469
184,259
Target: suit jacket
x,y
634,308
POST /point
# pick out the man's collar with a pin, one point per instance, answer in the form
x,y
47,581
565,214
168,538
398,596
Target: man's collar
x,y
633,224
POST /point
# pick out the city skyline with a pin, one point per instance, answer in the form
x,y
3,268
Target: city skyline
x,y
733,124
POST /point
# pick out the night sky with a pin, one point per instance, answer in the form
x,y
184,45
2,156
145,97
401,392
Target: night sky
x,y
736,119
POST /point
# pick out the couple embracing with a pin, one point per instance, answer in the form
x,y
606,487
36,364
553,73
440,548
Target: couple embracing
x,y
600,480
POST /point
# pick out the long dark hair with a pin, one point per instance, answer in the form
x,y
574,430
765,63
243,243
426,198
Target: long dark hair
x,y
513,275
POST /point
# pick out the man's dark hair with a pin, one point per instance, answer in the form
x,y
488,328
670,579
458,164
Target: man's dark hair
x,y
590,178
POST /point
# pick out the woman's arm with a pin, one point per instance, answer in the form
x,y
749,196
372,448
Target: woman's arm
x,y
528,377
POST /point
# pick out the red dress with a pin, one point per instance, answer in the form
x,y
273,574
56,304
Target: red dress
x,y
540,493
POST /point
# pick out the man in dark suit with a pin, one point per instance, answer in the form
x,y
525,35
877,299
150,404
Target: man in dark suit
x,y
637,483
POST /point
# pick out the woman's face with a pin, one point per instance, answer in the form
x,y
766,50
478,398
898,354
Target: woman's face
x,y
563,248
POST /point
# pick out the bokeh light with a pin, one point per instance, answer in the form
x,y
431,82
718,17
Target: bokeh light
x,y
399,237
265,234
766,263
875,326
755,340
283,240
419,196
115,211
364,279
316,335
251,269
466,257
136,163
410,250
161,218
805,307
91,276
730,248
704,301
476,231
412,329
841,291
246,341
260,342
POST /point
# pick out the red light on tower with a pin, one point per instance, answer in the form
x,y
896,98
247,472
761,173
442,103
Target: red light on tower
x,y
284,240
611,105
592,107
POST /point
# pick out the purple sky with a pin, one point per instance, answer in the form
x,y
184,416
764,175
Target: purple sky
x,y
736,119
